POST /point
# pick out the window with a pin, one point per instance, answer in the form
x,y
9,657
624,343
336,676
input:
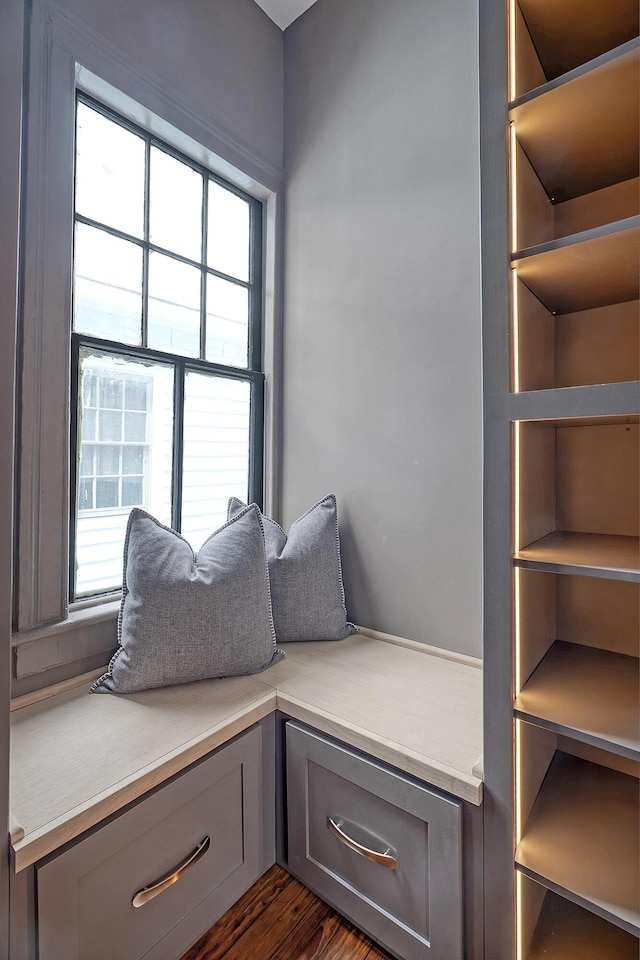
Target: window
x,y
166,344
113,451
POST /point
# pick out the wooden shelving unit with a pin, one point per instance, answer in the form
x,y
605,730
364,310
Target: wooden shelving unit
x,y
574,134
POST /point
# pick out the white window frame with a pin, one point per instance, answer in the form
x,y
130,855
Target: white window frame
x,y
51,638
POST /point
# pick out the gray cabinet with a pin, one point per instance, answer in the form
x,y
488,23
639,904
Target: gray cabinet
x,y
385,850
209,822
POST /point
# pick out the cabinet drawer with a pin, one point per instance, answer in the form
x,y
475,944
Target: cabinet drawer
x,y
380,847
85,894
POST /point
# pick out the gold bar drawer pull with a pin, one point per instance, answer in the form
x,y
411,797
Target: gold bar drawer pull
x,y
149,893
358,839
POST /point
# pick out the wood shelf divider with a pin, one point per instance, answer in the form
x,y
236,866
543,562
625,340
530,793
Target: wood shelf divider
x,y
589,554
600,402
581,839
590,694
572,240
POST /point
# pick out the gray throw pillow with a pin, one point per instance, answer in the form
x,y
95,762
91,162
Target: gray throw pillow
x,y
307,592
184,616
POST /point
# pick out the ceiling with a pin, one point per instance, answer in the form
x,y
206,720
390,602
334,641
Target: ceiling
x,y
284,12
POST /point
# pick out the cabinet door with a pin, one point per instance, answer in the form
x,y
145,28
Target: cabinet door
x,y
380,847
213,814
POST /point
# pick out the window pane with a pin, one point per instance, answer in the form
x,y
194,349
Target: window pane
x,y
109,172
106,493
175,206
135,395
174,306
227,322
108,460
132,460
216,452
107,286
85,495
90,389
228,223
89,424
111,393
87,460
110,425
125,475
132,491
135,426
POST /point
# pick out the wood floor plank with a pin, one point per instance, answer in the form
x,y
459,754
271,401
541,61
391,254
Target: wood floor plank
x,y
334,939
280,919
215,943
276,924
301,943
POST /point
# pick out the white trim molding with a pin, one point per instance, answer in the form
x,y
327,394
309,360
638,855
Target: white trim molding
x,y
12,23
84,633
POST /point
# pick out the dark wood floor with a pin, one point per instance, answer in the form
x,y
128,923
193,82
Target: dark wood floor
x,y
279,919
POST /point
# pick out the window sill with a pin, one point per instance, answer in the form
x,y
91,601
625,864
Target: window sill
x,y
88,632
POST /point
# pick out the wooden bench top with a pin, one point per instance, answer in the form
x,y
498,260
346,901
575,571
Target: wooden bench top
x,y
78,757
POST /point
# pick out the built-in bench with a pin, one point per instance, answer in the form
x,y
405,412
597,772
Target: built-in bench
x,y
361,755
79,758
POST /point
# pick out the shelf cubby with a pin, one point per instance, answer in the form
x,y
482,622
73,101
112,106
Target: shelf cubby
x,y
555,38
580,348
590,694
560,930
599,614
542,218
588,270
581,838
580,133
578,509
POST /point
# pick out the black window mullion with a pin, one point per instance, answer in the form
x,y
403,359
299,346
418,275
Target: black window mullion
x,y
256,441
144,332
255,291
120,234
74,467
156,248
178,445
149,353
203,271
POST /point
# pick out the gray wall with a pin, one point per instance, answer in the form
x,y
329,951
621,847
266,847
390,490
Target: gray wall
x,y
382,353
225,56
